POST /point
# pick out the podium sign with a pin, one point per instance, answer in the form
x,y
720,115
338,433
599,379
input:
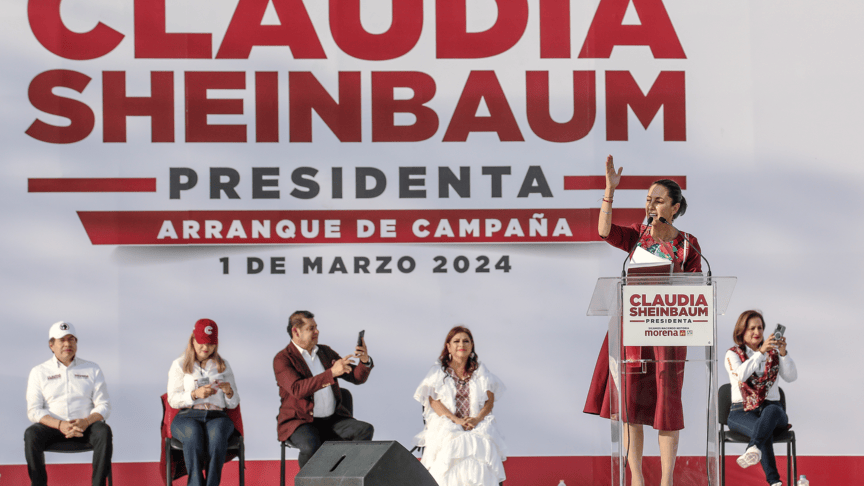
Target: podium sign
x,y
658,311
668,315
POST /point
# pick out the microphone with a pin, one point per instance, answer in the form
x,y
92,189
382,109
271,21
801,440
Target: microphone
x,y
663,220
630,253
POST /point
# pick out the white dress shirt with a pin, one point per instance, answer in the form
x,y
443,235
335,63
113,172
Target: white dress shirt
x,y
323,401
181,385
66,393
755,363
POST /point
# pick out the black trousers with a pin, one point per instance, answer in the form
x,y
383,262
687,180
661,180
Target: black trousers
x,y
309,437
38,437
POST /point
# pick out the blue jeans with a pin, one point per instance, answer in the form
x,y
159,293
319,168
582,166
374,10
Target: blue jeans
x,y
760,425
204,433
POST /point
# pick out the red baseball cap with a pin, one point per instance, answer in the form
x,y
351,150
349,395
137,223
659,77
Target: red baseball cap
x,y
206,332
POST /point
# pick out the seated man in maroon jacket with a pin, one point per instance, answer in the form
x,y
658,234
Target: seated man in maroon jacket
x,y
312,412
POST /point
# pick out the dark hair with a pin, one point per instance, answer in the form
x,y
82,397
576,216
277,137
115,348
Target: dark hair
x,y
674,194
473,361
296,319
741,326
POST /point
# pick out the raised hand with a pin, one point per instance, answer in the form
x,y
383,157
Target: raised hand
x,y
781,346
361,352
612,178
769,344
342,366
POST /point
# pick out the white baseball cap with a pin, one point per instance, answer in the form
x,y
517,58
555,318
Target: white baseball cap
x,y
60,329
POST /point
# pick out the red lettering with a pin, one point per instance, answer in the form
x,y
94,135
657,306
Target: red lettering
x,y
700,300
658,300
116,106
656,30
354,40
42,98
266,107
152,42
667,91
342,117
634,299
198,106
483,85
49,30
584,107
295,30
554,29
453,41
384,107
634,311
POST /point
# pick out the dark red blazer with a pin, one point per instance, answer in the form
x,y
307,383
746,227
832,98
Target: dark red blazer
x,y
297,386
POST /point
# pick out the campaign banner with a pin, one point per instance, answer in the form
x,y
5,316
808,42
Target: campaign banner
x,y
668,315
404,166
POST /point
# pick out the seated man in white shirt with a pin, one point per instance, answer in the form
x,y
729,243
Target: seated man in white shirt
x,y
312,411
67,400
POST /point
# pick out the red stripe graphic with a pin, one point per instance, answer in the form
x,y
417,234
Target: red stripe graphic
x,y
521,471
381,226
116,184
585,183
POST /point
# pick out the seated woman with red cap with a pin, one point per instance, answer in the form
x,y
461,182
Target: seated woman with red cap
x,y
201,384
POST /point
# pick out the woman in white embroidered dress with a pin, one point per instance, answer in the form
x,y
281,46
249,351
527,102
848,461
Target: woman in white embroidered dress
x,y
463,445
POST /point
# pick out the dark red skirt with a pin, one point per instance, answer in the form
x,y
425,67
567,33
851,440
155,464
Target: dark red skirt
x,y
652,398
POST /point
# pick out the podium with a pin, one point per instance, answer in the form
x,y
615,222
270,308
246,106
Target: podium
x,y
664,328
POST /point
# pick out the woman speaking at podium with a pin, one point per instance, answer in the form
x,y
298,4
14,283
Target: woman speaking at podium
x,y
653,397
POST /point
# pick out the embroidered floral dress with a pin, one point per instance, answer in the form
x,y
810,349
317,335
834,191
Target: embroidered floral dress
x,y
654,397
453,456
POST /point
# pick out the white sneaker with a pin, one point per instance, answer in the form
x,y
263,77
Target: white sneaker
x,y
750,457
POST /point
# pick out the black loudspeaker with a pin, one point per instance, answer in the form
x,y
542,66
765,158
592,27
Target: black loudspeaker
x,y
363,463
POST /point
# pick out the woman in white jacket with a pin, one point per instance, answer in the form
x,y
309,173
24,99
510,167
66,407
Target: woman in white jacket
x,y
463,446
201,385
754,365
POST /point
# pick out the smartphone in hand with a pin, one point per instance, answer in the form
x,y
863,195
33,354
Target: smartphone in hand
x,y
360,337
779,331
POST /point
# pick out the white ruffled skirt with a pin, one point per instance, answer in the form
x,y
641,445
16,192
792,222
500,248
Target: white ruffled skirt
x,y
456,457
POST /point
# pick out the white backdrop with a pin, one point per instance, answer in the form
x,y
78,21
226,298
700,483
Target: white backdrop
x,y
773,183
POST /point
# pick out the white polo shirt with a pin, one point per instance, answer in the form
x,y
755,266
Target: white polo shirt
x,y
66,393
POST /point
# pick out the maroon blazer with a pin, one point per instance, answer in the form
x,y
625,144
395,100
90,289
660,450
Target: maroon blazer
x,y
297,386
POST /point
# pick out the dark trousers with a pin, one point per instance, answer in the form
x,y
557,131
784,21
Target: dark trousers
x,y
309,437
204,434
760,425
38,437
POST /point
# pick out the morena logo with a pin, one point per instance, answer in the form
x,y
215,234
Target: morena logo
x,y
64,327
208,330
